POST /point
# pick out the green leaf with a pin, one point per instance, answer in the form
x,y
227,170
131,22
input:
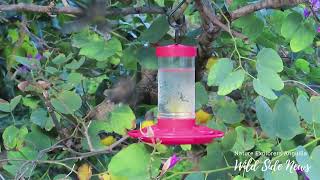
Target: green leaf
x,y
5,106
133,162
303,65
291,24
30,63
30,102
232,82
156,31
37,139
269,58
229,113
214,160
283,122
235,4
303,38
60,59
263,90
277,19
75,78
13,34
14,137
121,119
75,64
14,102
9,137
186,147
51,70
147,58
219,72
312,161
281,174
99,49
240,178
25,153
160,2
195,176
315,103
309,111
129,58
67,102
228,140
245,139
40,117
201,95
265,117
305,108
270,78
251,25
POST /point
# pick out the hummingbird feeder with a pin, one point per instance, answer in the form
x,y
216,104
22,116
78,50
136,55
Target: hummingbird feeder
x,y
176,97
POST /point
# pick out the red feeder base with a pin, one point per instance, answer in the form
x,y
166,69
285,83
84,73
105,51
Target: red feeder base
x,y
174,132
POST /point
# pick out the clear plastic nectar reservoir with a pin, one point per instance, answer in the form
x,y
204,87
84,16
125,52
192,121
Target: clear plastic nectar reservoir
x,y
176,91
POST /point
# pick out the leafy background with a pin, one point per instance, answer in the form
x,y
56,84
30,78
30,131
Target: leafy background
x,y
257,77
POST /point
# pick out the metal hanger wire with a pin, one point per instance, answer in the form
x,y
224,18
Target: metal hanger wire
x,y
177,24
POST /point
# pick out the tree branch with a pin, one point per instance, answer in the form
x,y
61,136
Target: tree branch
x,y
243,11
21,7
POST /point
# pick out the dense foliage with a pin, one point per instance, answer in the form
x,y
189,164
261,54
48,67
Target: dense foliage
x,y
65,78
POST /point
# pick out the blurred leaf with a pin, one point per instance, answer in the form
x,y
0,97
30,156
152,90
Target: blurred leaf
x,y
67,102
283,122
195,176
33,141
156,31
303,65
5,106
312,161
30,102
201,95
229,113
214,160
133,162
94,47
228,140
251,25
269,58
290,25
27,153
147,58
60,59
14,137
121,119
219,72
281,174
75,64
263,90
40,117
309,111
232,82
245,139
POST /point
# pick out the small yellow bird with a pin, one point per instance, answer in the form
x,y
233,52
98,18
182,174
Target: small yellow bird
x,y
211,62
202,116
147,123
107,138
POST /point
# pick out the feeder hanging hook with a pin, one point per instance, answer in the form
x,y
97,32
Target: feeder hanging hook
x,y
177,24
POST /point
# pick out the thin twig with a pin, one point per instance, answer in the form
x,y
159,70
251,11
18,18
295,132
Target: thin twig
x,y
303,86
